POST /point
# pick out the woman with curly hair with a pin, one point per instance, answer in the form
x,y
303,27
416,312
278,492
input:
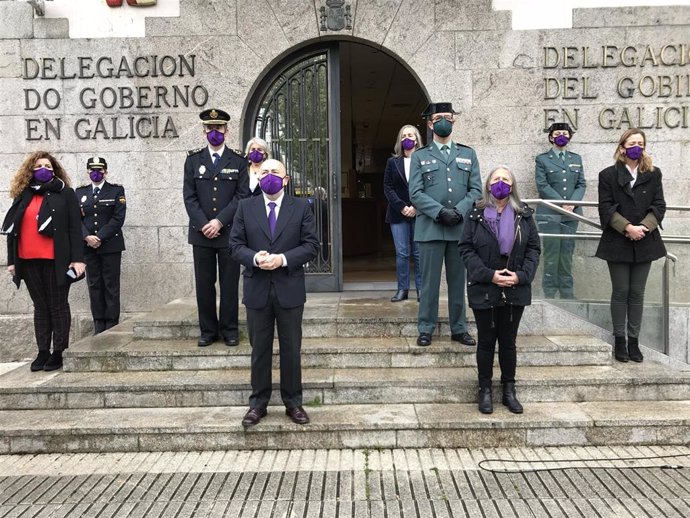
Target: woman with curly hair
x,y
45,249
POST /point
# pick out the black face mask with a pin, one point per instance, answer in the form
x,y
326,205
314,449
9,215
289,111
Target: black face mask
x,y
443,128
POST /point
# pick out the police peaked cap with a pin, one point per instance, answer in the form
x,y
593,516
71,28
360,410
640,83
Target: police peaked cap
x,y
438,108
559,126
96,162
213,116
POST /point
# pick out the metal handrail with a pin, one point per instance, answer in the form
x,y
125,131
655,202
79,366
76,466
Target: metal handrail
x,y
555,206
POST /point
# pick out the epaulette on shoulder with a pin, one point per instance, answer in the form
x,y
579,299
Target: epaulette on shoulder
x,y
195,151
462,145
238,152
82,186
115,184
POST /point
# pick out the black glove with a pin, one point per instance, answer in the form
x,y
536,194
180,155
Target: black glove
x,y
449,217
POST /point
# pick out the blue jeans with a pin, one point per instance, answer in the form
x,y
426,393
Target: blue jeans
x,y
405,246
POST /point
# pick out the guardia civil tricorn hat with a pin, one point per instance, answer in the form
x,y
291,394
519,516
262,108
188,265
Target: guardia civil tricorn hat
x,y
559,126
438,108
214,116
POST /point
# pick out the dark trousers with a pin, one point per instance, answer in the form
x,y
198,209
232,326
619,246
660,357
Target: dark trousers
x,y
500,323
628,281
261,324
207,261
52,315
103,279
432,256
557,258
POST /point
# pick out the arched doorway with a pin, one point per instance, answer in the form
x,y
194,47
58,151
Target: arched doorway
x,y
331,113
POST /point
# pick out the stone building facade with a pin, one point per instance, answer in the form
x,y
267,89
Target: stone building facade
x,y
135,101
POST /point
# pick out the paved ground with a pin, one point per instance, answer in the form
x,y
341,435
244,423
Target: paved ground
x,y
573,482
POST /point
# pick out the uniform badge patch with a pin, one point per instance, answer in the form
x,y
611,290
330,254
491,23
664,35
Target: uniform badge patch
x,y
202,169
463,160
122,200
83,198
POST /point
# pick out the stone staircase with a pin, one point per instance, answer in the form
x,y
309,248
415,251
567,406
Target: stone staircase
x,y
145,386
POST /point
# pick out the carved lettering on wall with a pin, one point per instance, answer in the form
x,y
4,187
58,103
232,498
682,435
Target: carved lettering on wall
x,y
652,72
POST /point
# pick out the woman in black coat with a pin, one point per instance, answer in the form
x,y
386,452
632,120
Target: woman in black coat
x,y
500,247
631,208
400,213
44,241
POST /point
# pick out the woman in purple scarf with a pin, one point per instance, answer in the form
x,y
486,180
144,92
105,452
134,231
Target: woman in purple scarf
x,y
500,247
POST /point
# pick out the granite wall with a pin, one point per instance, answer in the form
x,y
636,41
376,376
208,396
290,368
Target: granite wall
x,y
615,68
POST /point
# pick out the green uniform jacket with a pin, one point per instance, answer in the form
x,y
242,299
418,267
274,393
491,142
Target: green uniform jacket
x,y
437,182
556,181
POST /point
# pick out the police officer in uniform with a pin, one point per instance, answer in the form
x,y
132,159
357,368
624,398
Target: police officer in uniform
x,y
103,209
215,179
559,176
444,183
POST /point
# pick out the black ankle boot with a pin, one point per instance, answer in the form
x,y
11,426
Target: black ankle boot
x,y
620,349
634,349
399,295
485,405
54,362
510,399
40,361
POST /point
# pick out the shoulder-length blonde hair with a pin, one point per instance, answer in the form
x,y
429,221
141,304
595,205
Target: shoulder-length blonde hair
x,y
397,149
488,200
258,141
645,163
22,178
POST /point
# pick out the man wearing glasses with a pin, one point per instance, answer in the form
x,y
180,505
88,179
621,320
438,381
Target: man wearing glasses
x,y
444,183
559,176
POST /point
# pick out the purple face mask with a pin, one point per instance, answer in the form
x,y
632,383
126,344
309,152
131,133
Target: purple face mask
x,y
96,175
634,152
561,140
43,174
256,156
408,143
500,190
271,184
215,137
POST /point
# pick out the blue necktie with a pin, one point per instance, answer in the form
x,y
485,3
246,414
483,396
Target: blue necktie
x,y
96,190
272,217
216,157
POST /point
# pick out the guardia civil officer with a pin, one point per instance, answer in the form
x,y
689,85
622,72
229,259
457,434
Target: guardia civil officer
x,y
444,183
103,208
215,179
559,176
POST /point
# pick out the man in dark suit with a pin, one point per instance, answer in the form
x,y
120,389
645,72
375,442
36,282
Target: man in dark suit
x,y
273,236
103,209
215,179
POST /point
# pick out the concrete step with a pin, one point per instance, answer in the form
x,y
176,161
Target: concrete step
x,y
21,389
354,314
346,426
118,352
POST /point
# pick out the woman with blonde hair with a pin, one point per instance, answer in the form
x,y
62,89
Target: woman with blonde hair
x,y
45,249
257,153
400,213
631,208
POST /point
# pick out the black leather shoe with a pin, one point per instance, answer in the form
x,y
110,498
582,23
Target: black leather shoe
x,y
253,417
399,295
620,349
510,399
485,403
424,339
54,362
463,338
297,414
205,341
634,350
232,341
40,361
